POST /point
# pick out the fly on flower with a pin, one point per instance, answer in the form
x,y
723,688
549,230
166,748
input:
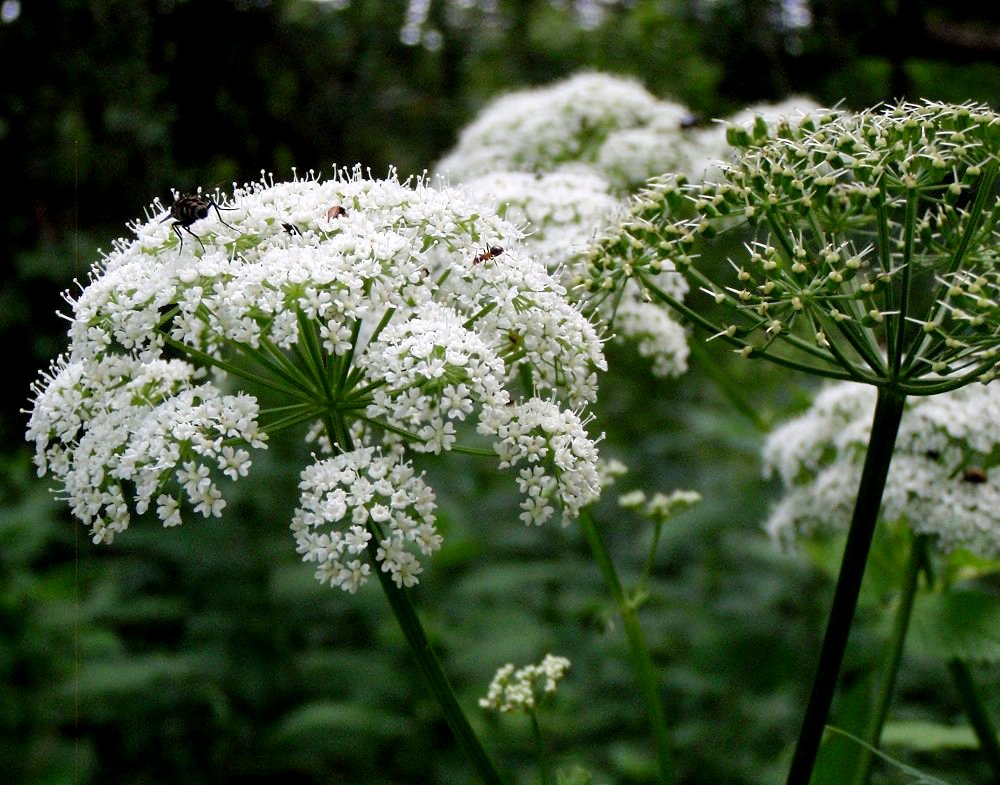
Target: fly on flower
x,y
189,208
976,475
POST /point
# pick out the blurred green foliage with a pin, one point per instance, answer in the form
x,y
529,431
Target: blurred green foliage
x,y
208,654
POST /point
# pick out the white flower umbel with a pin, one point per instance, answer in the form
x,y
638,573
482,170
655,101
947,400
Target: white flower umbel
x,y
521,689
570,122
941,480
558,460
353,489
378,317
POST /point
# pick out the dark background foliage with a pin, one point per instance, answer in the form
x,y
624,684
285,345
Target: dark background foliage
x,y
208,654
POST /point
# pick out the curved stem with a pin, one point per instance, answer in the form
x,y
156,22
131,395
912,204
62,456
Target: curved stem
x,y
890,665
427,661
979,718
885,425
642,661
434,675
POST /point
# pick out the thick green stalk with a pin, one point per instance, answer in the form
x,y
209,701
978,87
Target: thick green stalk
x,y
890,664
431,669
979,718
642,661
885,426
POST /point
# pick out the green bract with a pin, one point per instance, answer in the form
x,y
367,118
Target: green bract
x,y
860,247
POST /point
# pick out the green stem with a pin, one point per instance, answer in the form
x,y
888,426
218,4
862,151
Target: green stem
x,y
890,665
431,669
543,758
642,661
894,338
979,718
885,425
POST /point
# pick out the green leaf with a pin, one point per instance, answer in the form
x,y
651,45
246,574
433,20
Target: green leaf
x,y
926,736
919,777
838,752
966,565
337,720
962,624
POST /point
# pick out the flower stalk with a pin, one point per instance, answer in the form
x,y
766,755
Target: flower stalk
x,y
892,658
979,718
543,757
430,668
885,425
642,661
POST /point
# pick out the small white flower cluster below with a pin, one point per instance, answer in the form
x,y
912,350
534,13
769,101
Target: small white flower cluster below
x,y
521,689
360,488
941,481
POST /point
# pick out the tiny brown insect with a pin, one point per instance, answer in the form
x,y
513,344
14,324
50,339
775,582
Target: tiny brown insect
x,y
492,252
337,211
975,474
188,208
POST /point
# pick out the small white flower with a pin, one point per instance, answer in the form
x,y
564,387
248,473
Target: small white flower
x,y
520,690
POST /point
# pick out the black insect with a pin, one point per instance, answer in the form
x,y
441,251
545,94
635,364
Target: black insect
x,y
291,229
490,253
975,475
189,208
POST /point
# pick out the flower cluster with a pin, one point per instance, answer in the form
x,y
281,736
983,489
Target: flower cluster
x,y
558,460
564,211
940,480
117,432
869,245
380,317
661,507
521,689
364,486
539,130
605,124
